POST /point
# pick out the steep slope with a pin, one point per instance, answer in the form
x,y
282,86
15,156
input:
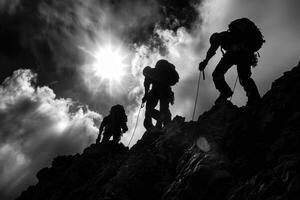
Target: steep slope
x,y
229,153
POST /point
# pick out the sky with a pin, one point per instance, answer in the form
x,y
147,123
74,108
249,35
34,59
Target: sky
x,y
55,89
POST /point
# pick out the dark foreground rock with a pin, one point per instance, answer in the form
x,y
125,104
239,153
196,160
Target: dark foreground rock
x,y
229,153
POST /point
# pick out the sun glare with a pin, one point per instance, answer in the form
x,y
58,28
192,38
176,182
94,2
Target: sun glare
x,y
106,67
109,63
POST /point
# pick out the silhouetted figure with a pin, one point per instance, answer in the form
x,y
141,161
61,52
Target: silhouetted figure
x,y
238,44
113,125
160,78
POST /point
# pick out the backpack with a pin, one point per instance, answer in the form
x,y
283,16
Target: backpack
x,y
247,32
117,113
166,72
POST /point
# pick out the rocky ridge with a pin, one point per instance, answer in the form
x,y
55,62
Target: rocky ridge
x,y
229,153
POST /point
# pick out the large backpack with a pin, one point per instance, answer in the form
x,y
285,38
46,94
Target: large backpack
x,y
247,32
117,113
166,72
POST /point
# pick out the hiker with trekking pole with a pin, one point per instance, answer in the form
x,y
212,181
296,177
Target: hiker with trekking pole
x,y
239,45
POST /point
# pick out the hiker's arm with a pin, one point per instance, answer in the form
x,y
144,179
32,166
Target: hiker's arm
x,y
124,127
211,52
147,83
214,45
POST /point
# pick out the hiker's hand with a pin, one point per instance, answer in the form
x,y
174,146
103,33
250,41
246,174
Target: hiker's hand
x,y
202,65
125,129
144,99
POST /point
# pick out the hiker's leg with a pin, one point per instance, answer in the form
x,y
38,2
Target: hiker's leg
x,y
116,138
165,114
98,138
244,72
150,110
218,76
106,137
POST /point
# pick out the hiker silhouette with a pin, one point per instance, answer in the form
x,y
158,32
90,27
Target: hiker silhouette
x,y
239,45
160,78
113,125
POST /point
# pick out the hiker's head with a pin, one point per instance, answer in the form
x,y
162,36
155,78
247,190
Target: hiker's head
x,y
161,62
117,113
214,38
146,70
239,25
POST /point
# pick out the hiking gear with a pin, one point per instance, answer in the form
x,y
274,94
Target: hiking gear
x,y
197,93
136,123
246,33
163,73
166,72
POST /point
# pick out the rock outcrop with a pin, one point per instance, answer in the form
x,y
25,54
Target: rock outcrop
x,y
229,153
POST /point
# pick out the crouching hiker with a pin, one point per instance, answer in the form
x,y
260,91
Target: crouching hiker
x,y
113,125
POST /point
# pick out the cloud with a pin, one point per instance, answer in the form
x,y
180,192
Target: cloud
x,y
47,35
9,5
35,126
186,48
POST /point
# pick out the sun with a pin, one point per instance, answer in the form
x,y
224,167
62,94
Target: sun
x,y
107,67
109,63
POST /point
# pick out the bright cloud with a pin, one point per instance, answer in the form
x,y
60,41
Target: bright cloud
x,y
35,126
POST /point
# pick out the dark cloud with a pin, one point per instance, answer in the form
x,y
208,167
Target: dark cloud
x,y
44,34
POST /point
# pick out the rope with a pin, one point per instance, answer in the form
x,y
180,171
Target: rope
x,y
137,119
196,99
237,77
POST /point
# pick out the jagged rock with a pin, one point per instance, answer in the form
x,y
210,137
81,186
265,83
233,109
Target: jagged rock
x,y
229,153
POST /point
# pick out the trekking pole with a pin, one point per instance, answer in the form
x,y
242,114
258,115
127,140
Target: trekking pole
x,y
237,77
137,119
197,93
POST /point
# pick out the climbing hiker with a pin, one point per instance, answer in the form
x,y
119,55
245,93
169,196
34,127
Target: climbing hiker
x,y
239,45
160,78
113,125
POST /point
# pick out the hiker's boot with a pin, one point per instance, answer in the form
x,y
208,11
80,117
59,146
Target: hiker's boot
x,y
148,123
253,98
223,97
158,124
